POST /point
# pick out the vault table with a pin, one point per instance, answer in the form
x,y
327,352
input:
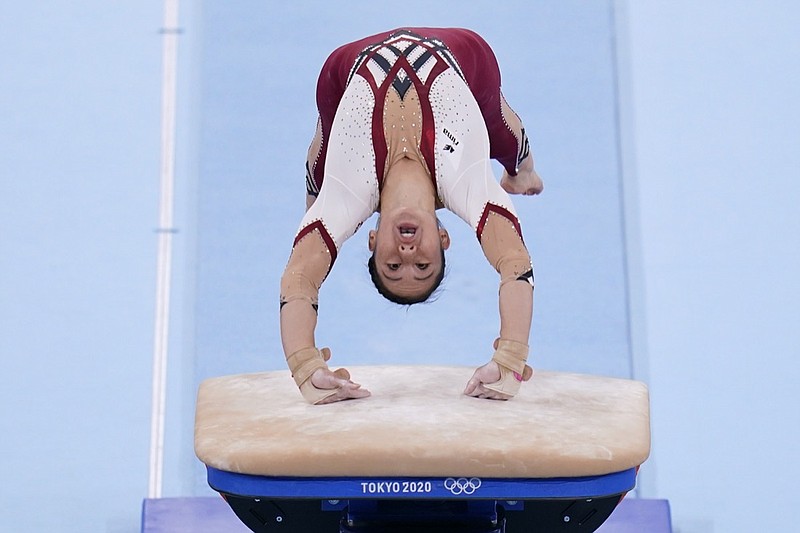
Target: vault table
x,y
419,455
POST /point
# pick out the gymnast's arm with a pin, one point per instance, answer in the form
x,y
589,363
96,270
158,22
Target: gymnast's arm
x,y
505,250
307,268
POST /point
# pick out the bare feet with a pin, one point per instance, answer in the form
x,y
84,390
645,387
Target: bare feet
x,y
526,182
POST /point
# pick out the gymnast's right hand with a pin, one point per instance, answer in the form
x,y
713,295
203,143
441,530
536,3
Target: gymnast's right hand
x,y
324,379
318,384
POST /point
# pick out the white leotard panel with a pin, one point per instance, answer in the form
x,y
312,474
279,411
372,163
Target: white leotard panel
x,y
349,193
464,175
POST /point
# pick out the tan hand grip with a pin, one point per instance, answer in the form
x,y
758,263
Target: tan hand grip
x,y
511,357
303,363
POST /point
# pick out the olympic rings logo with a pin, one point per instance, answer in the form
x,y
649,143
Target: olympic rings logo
x,y
462,485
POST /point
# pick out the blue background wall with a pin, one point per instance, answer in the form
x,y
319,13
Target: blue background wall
x,y
715,132
665,244
79,115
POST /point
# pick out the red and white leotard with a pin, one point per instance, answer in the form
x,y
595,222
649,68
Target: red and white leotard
x,y
431,94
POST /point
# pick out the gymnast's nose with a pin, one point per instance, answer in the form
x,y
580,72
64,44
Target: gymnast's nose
x,y
406,248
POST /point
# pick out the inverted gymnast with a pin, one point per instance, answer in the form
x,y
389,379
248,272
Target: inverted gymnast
x,y
408,123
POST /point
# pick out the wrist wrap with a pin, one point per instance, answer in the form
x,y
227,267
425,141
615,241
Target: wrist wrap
x,y
303,363
511,357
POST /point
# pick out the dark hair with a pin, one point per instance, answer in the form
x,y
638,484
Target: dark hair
x,y
403,300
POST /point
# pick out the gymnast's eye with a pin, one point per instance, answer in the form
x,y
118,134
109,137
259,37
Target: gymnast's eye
x,y
423,266
393,266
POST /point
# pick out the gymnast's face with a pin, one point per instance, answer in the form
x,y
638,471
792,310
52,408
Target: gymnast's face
x,y
408,245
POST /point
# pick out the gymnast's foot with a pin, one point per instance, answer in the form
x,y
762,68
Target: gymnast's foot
x,y
526,182
346,389
490,373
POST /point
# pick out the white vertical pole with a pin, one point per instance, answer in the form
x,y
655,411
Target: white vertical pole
x,y
169,32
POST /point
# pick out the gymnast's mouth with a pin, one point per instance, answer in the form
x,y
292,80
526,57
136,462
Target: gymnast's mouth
x,y
407,232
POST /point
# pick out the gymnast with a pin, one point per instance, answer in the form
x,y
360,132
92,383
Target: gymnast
x,y
409,121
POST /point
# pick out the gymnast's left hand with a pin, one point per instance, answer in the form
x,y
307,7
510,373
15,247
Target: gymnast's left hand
x,y
490,373
346,389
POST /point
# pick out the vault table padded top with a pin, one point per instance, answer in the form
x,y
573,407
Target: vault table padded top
x,y
418,423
